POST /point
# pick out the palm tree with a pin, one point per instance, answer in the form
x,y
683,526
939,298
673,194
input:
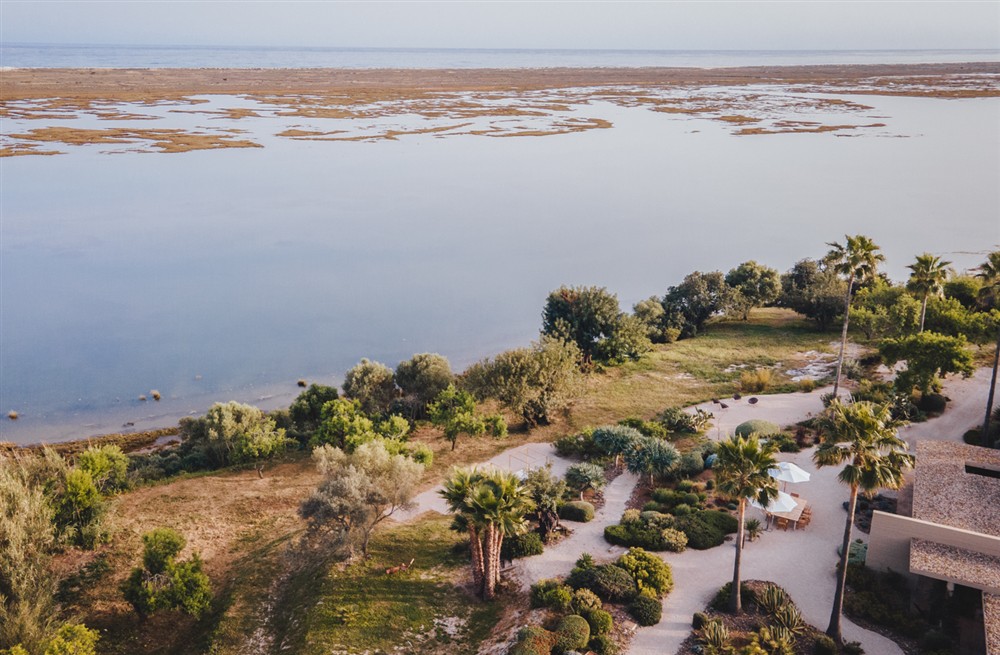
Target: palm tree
x,y
488,506
741,472
989,271
857,260
927,278
861,435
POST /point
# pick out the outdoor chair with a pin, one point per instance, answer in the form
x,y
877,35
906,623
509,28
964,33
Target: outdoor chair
x,y
794,495
781,523
804,521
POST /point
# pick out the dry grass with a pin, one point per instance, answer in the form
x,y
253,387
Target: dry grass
x,y
164,140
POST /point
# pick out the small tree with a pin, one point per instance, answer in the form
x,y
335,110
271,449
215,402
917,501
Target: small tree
x,y
422,378
863,436
755,285
628,341
651,315
306,410
616,440
585,316
741,472
359,490
928,355
372,384
695,300
239,434
814,292
531,382
454,411
653,456
545,491
581,477
163,582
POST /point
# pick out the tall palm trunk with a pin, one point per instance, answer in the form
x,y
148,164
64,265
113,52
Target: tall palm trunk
x,y
476,546
843,334
985,439
923,312
496,560
490,566
735,602
833,631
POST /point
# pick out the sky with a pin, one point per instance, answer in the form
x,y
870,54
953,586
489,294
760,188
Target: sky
x,y
785,25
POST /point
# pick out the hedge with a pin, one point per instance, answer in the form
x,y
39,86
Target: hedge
x,y
577,510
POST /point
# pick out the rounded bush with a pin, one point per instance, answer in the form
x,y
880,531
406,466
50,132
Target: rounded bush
x,y
612,583
600,622
681,510
584,600
724,521
674,540
572,633
709,463
691,498
631,516
651,506
760,426
577,510
533,640
516,546
551,593
700,535
645,610
932,403
699,619
603,645
651,574
825,646
685,486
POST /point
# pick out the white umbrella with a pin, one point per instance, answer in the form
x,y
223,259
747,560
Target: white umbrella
x,y
783,503
788,472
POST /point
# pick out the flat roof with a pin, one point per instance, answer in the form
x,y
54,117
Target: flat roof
x,y
965,567
944,493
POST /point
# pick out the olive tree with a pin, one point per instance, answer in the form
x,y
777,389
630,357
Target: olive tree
x,y
754,285
585,316
699,297
454,411
422,378
927,355
372,384
813,291
359,490
531,382
306,411
239,434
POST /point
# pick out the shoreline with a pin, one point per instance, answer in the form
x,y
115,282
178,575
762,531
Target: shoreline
x,y
146,83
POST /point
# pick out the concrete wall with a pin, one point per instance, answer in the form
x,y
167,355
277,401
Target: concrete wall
x,y
889,542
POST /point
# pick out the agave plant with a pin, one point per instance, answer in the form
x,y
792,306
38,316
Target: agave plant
x,y
789,617
774,640
714,634
771,599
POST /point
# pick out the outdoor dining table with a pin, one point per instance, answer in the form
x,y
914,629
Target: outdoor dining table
x,y
793,515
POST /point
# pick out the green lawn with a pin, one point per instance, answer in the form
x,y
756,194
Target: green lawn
x,y
361,609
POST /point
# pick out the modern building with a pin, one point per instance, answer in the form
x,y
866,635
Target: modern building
x,y
954,531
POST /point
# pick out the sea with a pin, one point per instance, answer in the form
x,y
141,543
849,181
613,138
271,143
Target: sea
x,y
27,55
231,274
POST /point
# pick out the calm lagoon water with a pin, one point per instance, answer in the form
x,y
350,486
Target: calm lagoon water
x,y
229,274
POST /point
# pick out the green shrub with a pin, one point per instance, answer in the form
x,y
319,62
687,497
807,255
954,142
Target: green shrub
x,y
603,645
610,582
691,463
534,640
724,521
685,486
699,619
648,428
677,420
701,535
572,633
789,618
600,621
973,437
825,646
806,385
667,497
651,574
551,593
584,601
784,443
516,546
932,403
674,540
577,510
759,426
579,445
645,610
853,648
681,510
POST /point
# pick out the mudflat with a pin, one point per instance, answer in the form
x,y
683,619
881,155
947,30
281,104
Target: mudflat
x,y
141,84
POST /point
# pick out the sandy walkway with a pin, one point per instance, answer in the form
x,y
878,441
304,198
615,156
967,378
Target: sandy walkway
x,y
967,409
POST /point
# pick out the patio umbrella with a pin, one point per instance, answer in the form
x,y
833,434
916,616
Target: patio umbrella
x,y
783,503
788,472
